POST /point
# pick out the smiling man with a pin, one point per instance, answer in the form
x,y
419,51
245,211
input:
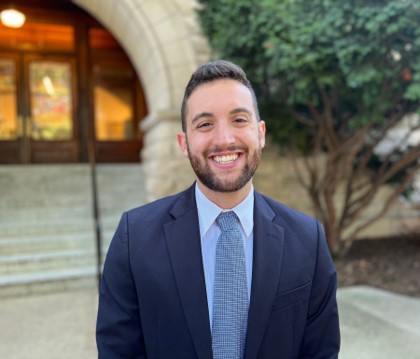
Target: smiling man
x,y
223,139
218,271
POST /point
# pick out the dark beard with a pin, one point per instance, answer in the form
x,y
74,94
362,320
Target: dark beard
x,y
210,180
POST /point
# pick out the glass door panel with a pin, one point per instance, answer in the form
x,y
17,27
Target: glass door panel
x,y
113,113
118,101
51,100
114,103
9,127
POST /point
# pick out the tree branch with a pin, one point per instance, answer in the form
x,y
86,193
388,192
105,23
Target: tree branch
x,y
389,202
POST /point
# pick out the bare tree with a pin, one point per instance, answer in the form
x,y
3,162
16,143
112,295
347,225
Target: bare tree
x,y
339,166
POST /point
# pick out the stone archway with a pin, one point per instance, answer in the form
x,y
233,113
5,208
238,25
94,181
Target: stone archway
x,y
165,45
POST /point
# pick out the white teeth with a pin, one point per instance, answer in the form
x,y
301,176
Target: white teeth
x,y
226,159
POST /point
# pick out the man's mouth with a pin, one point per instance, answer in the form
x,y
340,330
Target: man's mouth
x,y
226,158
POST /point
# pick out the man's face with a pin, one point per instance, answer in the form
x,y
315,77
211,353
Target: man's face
x,y
223,138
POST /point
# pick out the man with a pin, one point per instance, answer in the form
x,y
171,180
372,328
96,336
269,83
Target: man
x,y
169,291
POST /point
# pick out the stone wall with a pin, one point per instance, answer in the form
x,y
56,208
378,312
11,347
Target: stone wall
x,y
167,169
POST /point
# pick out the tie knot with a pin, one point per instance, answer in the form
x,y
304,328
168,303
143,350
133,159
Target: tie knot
x,y
227,220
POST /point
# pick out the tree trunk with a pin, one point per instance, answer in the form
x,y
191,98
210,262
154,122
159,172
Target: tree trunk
x,y
333,234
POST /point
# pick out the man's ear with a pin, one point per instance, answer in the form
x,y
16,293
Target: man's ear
x,y
182,142
261,130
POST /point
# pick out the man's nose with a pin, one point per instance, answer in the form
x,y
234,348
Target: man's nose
x,y
225,135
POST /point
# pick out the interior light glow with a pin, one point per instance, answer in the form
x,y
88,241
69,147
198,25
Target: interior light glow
x,y
49,87
12,18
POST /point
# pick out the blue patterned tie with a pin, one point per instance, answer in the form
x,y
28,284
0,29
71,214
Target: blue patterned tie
x,y
230,303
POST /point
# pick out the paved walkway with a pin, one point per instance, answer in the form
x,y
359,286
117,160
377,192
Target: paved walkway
x,y
374,325
378,325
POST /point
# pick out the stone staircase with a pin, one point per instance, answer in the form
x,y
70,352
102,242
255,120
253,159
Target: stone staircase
x,y
47,229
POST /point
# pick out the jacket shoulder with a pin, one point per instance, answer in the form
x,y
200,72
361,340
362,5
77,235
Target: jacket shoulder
x,y
161,209
285,213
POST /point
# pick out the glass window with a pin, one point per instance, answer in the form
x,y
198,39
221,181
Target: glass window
x,y
114,103
51,100
8,100
115,91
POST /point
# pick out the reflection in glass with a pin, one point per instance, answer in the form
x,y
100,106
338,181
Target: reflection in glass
x,y
51,100
113,114
8,101
113,104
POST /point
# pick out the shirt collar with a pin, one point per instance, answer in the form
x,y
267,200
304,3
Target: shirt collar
x,y
208,211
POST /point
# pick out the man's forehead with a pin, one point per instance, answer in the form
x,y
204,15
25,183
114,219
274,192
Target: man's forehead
x,y
225,91
213,84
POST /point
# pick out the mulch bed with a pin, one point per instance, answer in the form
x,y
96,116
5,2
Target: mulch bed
x,y
392,264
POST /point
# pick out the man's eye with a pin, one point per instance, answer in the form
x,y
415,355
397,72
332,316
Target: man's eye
x,y
203,125
240,120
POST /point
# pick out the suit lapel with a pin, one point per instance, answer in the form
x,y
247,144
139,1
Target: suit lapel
x,y
268,254
183,241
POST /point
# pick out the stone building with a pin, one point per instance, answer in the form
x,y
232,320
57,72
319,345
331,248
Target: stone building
x,y
163,44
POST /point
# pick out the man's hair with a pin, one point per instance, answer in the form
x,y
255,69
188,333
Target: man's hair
x,y
215,70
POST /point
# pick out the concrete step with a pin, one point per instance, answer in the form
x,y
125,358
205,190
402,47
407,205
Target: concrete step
x,y
37,186
36,243
59,226
12,245
63,225
28,263
47,229
48,281
23,214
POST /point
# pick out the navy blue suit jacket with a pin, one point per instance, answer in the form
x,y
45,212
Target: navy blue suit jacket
x,y
153,303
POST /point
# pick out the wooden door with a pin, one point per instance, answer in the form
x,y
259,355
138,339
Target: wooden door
x,y
37,109
11,121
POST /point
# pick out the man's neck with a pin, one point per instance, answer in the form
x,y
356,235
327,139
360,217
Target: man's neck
x,y
226,200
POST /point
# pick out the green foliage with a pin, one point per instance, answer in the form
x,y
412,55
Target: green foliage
x,y
361,59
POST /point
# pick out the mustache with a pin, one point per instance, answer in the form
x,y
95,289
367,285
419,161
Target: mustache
x,y
219,149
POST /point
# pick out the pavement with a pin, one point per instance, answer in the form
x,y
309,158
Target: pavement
x,y
375,324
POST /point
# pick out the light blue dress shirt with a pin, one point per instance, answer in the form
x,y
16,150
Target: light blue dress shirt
x,y
210,231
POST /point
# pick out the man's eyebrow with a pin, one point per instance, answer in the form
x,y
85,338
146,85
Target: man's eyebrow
x,y
201,115
239,110
209,114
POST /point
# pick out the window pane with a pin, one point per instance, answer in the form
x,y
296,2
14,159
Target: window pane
x,y
113,104
51,100
8,100
113,113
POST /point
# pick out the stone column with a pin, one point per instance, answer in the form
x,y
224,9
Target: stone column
x,y
166,169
